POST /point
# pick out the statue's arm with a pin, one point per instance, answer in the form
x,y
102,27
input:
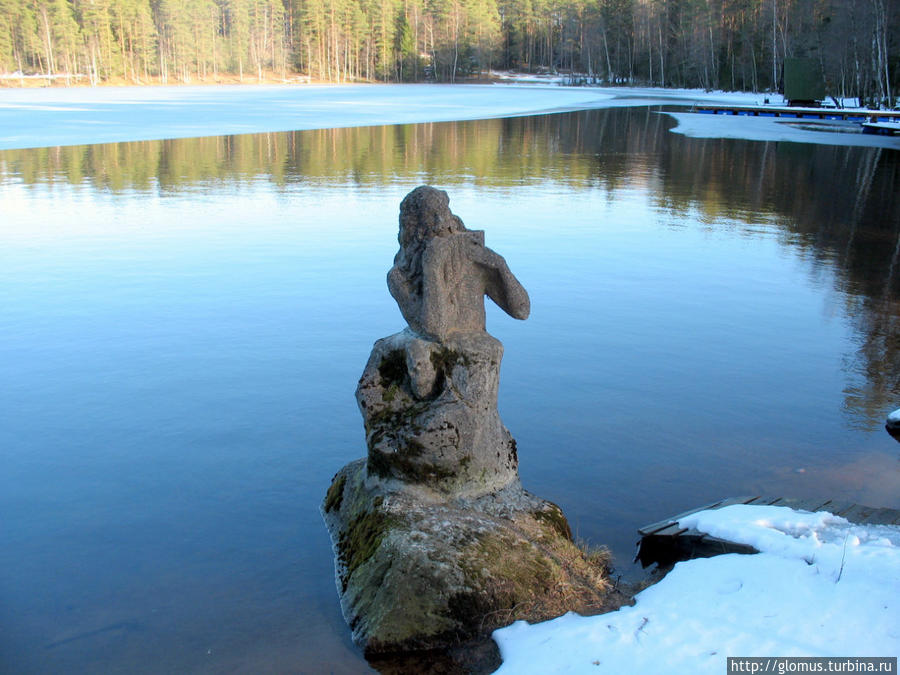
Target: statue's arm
x,y
398,287
501,285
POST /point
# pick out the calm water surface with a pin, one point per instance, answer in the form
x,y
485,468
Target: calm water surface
x,y
182,324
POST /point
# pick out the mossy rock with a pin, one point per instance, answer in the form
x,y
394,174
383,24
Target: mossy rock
x,y
335,493
420,575
553,516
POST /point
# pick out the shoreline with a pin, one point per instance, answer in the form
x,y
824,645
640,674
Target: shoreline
x,y
14,81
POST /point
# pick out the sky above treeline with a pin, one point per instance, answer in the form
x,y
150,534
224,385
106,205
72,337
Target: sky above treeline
x,y
713,44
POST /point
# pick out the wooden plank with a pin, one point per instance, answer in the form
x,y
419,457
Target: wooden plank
x,y
811,505
857,513
820,505
664,527
800,112
666,542
881,517
736,500
671,529
655,528
838,508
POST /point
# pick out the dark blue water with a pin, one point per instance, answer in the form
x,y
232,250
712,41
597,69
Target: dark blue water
x,y
182,325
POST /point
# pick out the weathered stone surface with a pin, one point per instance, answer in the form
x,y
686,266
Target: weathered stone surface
x,y
443,271
430,412
416,574
435,539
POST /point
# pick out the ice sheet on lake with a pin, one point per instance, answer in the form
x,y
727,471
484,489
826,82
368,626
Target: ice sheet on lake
x,y
59,116
820,587
73,116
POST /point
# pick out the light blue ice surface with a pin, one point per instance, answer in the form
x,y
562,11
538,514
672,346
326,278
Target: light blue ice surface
x,y
57,116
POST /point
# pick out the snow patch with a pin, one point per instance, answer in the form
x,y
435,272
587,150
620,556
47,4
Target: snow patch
x,y
820,587
699,125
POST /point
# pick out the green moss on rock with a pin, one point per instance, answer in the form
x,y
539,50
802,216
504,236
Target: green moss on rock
x,y
393,368
412,448
390,419
554,517
388,395
444,359
335,493
404,465
362,538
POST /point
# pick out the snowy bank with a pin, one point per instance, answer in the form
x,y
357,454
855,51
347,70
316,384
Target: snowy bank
x,y
821,586
31,118
697,125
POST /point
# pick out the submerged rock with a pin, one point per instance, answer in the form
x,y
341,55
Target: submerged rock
x,y
893,424
435,539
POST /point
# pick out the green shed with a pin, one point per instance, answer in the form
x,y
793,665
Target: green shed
x,y
803,83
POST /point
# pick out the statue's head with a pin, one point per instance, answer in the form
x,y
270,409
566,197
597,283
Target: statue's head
x,y
425,213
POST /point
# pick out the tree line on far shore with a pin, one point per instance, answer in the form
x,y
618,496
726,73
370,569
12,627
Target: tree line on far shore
x,y
713,44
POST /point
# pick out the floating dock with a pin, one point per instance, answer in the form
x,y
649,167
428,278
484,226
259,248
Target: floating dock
x,y
836,114
666,542
881,128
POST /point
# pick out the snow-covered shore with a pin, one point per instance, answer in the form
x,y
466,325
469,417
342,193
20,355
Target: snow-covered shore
x,y
820,587
31,118
698,125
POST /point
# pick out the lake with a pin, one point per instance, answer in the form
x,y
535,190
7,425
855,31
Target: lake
x,y
183,323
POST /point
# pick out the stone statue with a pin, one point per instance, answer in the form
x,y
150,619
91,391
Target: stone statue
x,y
428,395
443,271
436,542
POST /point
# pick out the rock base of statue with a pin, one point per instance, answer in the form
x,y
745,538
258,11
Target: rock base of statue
x,y
415,574
435,540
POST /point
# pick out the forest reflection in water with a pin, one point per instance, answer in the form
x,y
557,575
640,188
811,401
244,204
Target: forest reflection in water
x,y
839,205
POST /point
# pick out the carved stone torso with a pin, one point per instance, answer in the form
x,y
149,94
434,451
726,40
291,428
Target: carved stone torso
x,y
443,271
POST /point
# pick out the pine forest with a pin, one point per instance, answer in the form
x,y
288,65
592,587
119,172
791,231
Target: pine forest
x,y
712,44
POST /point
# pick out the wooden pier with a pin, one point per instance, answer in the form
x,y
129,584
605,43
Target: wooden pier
x,y
881,128
836,114
666,543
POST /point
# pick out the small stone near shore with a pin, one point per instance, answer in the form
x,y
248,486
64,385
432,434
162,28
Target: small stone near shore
x,y
893,424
